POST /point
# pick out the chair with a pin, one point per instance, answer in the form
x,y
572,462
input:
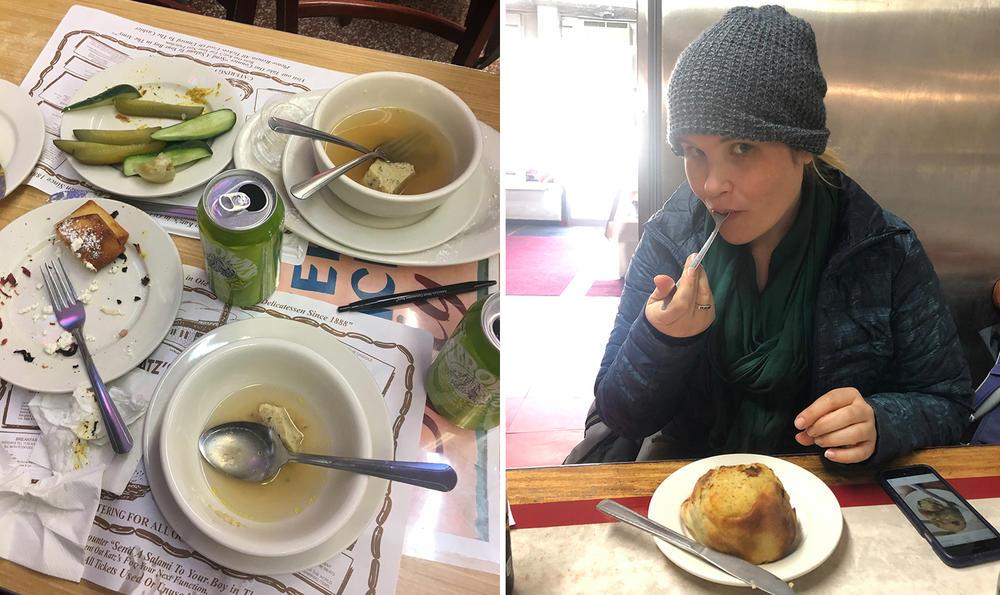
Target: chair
x,y
479,34
241,11
987,430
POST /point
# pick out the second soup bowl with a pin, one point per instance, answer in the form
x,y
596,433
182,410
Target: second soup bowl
x,y
319,387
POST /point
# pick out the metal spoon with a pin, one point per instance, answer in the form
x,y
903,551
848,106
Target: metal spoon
x,y
295,129
253,452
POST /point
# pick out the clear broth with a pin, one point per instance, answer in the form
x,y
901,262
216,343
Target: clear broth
x,y
433,160
296,486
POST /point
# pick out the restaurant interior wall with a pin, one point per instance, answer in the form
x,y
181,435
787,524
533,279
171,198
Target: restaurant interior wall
x,y
913,106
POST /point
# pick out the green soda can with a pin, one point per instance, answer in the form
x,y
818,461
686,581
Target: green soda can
x,y
463,383
240,218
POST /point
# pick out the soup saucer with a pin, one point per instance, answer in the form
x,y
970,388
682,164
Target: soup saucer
x,y
326,212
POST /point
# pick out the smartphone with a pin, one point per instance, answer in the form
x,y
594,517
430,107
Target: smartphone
x,y
959,535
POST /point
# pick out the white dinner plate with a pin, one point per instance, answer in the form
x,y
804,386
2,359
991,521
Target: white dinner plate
x,y
119,342
354,373
817,510
479,240
166,80
22,134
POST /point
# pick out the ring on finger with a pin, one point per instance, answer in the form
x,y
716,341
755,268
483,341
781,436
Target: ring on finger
x,y
704,306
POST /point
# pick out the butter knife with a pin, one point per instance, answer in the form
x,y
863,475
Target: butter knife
x,y
751,574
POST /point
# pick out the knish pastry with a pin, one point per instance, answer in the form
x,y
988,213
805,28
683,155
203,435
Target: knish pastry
x,y
93,235
742,510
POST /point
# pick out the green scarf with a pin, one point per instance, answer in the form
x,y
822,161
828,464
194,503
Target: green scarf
x,y
760,343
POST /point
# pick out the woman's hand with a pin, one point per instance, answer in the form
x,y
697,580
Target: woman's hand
x,y
690,311
842,422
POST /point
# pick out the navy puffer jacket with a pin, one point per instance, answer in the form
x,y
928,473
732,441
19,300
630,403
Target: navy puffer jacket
x,y
881,326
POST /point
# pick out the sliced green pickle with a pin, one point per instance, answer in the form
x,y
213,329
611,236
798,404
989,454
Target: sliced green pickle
x,y
104,98
116,137
203,127
101,154
154,109
180,154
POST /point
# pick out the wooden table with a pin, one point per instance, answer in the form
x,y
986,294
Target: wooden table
x,y
556,504
27,26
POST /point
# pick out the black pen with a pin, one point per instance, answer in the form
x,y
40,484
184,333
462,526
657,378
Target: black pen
x,y
413,296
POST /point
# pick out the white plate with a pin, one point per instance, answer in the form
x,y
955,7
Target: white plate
x,y
479,240
29,241
817,509
165,80
22,134
354,373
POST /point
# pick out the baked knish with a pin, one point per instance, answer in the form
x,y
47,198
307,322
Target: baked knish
x,y
93,235
742,510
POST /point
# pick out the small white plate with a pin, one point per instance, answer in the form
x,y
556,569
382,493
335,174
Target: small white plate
x,y
353,372
817,509
333,218
22,134
29,241
479,240
166,80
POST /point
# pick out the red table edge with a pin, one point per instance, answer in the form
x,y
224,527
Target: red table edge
x,y
584,512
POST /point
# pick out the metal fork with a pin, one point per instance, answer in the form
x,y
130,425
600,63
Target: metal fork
x,y
71,315
719,220
396,150
393,151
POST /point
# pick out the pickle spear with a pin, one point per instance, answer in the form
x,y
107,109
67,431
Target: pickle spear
x,y
101,154
203,127
116,137
155,109
106,97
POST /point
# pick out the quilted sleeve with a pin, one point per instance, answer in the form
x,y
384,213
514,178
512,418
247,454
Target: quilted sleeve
x,y
643,372
934,397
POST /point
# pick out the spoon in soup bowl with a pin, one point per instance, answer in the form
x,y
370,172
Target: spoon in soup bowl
x,y
253,452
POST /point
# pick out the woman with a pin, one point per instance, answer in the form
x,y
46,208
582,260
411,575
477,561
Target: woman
x,y
815,321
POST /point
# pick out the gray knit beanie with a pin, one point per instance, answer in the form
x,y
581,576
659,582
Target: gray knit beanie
x,y
754,75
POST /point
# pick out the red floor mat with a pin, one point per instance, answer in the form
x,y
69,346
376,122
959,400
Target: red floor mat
x,y
539,265
611,288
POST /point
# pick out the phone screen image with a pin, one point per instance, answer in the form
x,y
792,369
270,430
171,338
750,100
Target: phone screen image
x,y
943,513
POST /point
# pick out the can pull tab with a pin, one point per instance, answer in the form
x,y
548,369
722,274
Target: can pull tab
x,y
234,202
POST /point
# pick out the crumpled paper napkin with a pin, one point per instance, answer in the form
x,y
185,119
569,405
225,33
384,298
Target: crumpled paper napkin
x,y
45,526
73,434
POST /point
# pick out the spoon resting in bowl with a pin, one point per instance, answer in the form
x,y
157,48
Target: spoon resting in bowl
x,y
253,452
